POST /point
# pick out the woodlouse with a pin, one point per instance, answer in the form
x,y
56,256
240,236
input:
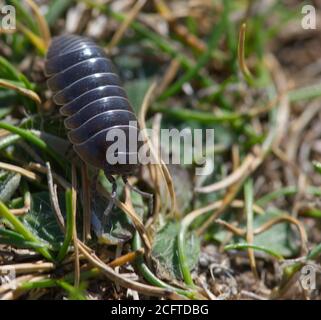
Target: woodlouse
x,y
85,84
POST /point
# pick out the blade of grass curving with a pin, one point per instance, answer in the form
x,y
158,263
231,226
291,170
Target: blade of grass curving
x,y
20,228
286,191
151,278
23,14
69,226
200,116
42,23
241,56
10,72
33,38
16,239
74,292
305,93
21,90
242,246
56,10
30,137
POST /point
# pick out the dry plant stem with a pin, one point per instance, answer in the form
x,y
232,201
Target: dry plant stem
x,y
36,40
26,173
156,178
168,77
4,133
252,295
241,53
235,156
245,169
169,182
283,157
235,230
8,286
38,167
25,208
240,204
34,267
42,23
161,199
74,231
228,198
269,224
86,201
248,190
179,29
257,111
23,91
284,106
54,199
218,204
20,211
122,281
9,296
162,166
129,203
131,16
297,127
129,257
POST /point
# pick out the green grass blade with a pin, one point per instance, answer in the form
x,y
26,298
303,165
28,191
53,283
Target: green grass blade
x,y
21,229
242,246
69,227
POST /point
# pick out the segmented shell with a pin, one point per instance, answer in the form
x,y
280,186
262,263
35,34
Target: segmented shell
x,y
85,84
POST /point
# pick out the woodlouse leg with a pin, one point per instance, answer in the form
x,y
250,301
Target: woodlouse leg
x,y
146,195
112,199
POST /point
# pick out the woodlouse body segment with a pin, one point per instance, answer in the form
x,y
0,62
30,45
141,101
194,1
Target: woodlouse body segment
x,y
85,84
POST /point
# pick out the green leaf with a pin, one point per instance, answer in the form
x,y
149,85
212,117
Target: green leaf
x,y
23,15
8,186
10,72
16,224
41,220
165,255
56,10
242,246
15,239
4,111
317,166
278,238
